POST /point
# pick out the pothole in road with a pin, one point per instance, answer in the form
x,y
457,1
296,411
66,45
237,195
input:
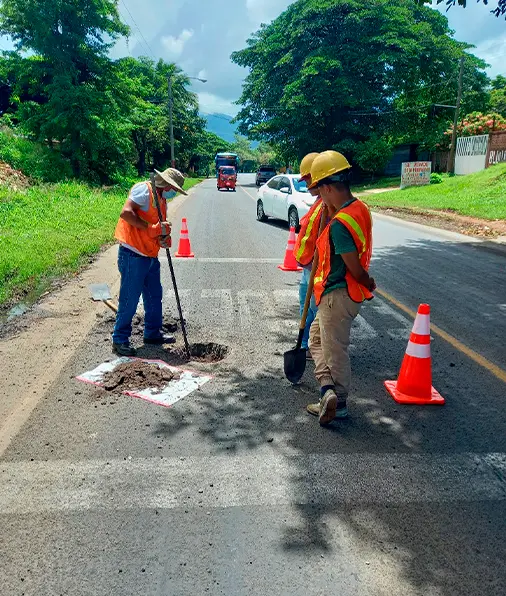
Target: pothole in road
x,y
209,352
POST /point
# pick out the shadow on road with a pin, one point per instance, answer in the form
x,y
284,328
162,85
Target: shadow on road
x,y
418,539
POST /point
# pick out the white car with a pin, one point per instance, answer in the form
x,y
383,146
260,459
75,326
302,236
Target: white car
x,y
284,197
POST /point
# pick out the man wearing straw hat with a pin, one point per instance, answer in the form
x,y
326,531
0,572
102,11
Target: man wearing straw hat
x,y
140,235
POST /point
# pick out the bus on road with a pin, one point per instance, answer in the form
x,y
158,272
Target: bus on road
x,y
226,159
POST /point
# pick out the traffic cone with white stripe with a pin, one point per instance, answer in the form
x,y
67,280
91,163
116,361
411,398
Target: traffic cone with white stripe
x,y
184,249
414,385
290,264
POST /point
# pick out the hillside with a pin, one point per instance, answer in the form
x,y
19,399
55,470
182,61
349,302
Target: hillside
x,y
221,125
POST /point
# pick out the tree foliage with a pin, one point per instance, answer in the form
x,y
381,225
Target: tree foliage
x,y
499,10
61,88
336,73
498,96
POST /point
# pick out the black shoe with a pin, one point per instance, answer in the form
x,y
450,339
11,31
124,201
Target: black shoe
x,y
163,338
123,349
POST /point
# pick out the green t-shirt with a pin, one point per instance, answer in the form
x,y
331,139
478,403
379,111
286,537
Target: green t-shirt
x,y
341,242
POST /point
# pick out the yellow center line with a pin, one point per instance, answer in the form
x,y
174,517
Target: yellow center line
x,y
497,371
249,194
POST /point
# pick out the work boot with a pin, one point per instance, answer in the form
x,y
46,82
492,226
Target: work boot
x,y
123,349
163,338
335,407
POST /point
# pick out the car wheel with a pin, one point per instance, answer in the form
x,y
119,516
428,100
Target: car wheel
x,y
260,212
293,219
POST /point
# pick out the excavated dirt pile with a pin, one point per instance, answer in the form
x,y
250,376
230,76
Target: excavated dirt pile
x,y
136,376
14,179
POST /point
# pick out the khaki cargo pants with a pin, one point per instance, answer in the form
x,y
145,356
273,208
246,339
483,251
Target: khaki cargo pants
x,y
329,340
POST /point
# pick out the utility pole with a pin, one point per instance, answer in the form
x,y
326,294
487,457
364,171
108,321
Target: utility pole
x,y
171,119
171,115
451,160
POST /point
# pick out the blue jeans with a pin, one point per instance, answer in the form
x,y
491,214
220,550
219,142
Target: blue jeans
x,y
313,309
139,275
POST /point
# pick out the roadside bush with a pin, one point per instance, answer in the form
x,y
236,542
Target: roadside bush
x,y
436,178
33,159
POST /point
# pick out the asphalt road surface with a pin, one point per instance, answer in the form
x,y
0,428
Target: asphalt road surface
x,y
236,490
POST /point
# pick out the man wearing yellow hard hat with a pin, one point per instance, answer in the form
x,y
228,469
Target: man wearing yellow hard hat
x,y
305,246
342,282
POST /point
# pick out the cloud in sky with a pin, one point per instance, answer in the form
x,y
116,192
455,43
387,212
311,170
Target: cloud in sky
x,y
175,45
200,35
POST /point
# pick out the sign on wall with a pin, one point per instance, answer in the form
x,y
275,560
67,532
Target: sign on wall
x,y
496,148
415,173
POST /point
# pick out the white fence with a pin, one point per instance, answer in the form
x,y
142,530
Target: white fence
x,y
471,154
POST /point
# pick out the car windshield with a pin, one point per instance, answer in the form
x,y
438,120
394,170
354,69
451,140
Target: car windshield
x,y
228,171
267,170
300,186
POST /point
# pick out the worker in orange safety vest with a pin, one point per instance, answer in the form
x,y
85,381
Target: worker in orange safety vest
x,y
342,282
305,246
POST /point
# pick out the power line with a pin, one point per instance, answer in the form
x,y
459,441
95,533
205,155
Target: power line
x,y
139,30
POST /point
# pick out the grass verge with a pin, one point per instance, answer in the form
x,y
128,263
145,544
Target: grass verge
x,y
50,231
380,183
481,195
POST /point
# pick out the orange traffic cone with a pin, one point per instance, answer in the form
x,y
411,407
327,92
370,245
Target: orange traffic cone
x,y
290,264
414,385
184,249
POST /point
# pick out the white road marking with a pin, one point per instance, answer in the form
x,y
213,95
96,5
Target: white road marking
x,y
263,306
225,311
361,329
277,311
228,260
263,478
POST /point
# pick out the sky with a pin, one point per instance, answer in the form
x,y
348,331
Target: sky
x,y
200,35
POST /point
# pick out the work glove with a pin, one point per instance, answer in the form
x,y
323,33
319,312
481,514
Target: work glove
x,y
159,229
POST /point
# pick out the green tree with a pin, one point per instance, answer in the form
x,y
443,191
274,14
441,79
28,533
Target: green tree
x,y
71,40
373,155
144,85
498,11
334,73
497,102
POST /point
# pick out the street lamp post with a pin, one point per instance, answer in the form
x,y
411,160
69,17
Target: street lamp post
x,y
171,115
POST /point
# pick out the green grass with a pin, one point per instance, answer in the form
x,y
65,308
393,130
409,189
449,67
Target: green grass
x,y
50,231
380,183
481,195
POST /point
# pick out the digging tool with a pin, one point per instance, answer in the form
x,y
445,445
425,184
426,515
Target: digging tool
x,y
172,274
101,293
295,360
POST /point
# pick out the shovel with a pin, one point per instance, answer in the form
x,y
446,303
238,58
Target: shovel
x,y
172,274
295,360
101,293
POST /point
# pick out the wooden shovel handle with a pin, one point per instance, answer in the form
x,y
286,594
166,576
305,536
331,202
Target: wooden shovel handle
x,y
111,305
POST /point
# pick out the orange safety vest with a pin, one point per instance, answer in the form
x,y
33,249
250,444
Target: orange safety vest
x,y
357,219
305,245
138,238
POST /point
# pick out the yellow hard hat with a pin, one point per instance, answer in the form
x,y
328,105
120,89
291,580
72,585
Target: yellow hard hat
x,y
306,163
328,163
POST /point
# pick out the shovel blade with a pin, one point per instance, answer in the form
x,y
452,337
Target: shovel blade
x,y
295,365
100,292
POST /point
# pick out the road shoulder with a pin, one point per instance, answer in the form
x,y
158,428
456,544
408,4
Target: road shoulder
x,y
38,346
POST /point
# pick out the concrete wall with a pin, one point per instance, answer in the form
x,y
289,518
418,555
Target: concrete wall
x,y
471,154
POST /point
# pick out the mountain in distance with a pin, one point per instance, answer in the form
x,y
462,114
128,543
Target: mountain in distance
x,y
221,125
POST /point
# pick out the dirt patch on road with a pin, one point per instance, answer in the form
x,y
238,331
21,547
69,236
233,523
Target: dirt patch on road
x,y
448,220
137,376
